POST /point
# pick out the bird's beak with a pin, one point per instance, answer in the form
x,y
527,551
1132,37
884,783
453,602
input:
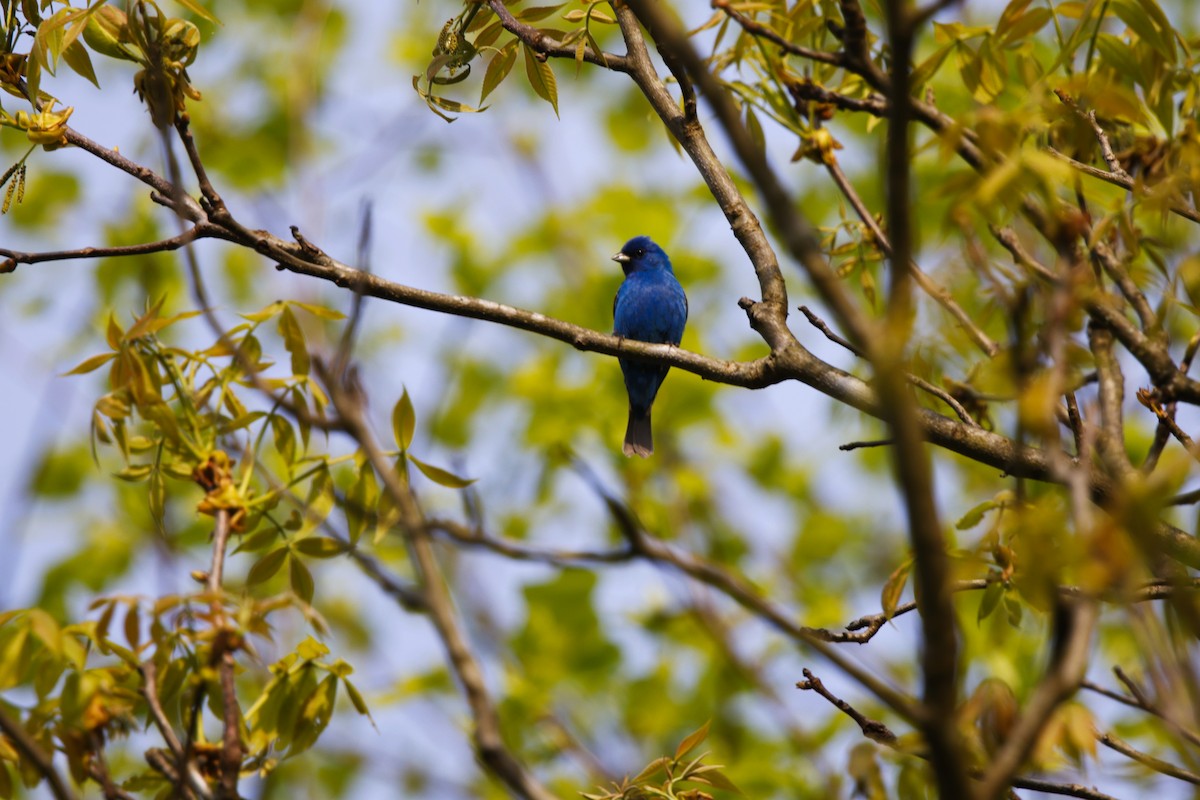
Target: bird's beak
x,y
621,257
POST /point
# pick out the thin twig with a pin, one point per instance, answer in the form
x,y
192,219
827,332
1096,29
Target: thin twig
x,y
1157,764
848,446
1126,183
939,293
216,206
744,594
1110,158
201,230
874,730
879,732
920,383
824,328
439,604
224,644
97,769
764,32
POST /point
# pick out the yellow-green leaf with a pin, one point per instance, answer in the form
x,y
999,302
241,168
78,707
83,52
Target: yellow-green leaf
x,y
441,476
199,10
691,740
890,596
93,363
293,340
541,77
404,421
321,312
498,68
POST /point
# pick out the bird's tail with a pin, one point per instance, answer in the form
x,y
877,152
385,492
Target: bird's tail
x,y
638,440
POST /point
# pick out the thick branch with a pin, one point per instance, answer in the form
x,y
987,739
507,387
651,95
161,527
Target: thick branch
x,y
796,232
910,458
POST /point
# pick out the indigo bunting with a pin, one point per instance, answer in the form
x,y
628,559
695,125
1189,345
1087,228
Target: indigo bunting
x,y
651,307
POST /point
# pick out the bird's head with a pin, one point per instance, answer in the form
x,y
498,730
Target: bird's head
x,y
641,254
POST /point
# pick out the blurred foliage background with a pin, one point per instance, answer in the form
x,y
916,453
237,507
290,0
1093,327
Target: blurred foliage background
x,y
309,117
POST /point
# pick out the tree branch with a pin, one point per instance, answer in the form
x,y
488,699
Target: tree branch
x,y
913,470
796,232
201,230
548,46
27,746
489,741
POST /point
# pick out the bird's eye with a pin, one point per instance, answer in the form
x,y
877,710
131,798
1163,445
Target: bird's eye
x,y
639,252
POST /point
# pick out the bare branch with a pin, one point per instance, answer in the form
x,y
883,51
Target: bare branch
x,y
939,650
215,205
201,230
1126,183
1114,742
194,782
848,446
461,534
1110,158
187,207
744,594
764,32
873,729
920,383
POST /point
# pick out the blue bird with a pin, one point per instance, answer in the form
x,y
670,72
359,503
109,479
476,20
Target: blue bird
x,y
651,307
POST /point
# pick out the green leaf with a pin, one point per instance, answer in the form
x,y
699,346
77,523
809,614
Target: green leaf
x,y
356,698
285,437
360,500
258,541
1146,19
77,58
320,498
1025,26
320,547
441,476
404,421
310,649
975,515
990,600
653,768
301,580
267,566
541,77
